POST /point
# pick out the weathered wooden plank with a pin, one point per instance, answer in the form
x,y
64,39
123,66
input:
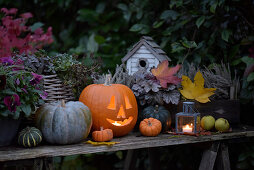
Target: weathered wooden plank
x,y
209,157
137,56
127,142
143,50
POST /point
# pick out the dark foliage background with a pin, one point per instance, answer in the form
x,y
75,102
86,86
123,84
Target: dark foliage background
x,y
199,31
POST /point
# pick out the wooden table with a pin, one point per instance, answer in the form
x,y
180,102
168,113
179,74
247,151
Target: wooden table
x,y
129,142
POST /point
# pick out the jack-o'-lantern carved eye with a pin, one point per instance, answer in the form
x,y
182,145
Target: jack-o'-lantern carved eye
x,y
112,103
127,103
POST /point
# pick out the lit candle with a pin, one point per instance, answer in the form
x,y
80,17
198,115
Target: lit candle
x,y
187,128
116,124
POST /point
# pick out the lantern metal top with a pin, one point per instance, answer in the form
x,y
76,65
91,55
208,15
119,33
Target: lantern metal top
x,y
188,107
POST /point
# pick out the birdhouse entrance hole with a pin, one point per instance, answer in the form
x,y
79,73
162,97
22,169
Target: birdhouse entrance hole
x,y
143,63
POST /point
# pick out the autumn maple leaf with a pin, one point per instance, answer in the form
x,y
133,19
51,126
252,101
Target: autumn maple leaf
x,y
196,90
166,74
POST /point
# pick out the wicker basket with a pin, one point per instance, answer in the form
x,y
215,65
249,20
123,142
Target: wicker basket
x,y
56,89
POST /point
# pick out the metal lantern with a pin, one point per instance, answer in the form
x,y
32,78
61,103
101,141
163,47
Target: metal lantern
x,y
188,121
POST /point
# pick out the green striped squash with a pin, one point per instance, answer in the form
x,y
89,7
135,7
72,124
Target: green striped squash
x,y
29,137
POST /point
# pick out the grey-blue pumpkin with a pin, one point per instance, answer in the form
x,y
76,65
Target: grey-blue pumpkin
x,y
64,123
157,112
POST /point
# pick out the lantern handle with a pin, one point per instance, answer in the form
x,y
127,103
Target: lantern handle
x,y
191,108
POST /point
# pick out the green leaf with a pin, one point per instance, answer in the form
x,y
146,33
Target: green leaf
x,y
188,44
157,24
26,109
123,7
247,60
100,7
119,154
145,29
169,14
250,77
136,27
36,25
92,45
225,34
200,21
99,39
177,47
236,62
213,7
5,113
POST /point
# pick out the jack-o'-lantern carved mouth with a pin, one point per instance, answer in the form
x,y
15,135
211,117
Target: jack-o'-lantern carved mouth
x,y
120,123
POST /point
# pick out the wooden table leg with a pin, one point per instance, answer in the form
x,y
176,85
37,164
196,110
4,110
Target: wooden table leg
x,y
130,160
222,161
209,157
48,163
38,164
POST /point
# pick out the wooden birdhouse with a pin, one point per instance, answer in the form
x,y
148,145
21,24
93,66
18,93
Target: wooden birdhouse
x,y
145,54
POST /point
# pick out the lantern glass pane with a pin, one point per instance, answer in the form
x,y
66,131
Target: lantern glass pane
x,y
187,122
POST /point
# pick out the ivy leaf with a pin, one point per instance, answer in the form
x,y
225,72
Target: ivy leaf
x,y
250,77
26,109
169,14
196,90
157,24
165,74
225,34
92,45
213,7
136,27
200,21
35,26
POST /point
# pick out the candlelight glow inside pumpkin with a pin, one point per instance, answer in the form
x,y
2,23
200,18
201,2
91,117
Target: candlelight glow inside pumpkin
x,y
113,106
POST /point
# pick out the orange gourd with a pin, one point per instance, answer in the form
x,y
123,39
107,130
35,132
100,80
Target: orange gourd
x,y
150,127
113,106
102,135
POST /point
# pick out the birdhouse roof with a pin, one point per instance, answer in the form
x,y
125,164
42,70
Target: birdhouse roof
x,y
149,43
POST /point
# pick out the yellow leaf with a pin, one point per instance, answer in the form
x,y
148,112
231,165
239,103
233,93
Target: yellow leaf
x,y
101,143
196,90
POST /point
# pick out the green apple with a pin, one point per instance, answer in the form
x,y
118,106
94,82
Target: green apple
x,y
221,125
207,122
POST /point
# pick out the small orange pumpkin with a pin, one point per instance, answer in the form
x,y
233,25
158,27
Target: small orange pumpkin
x,y
102,135
113,106
150,127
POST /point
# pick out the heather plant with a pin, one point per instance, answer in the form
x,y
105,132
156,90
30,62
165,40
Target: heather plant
x,y
20,90
17,37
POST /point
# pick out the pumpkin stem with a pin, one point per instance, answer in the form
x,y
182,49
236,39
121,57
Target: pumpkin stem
x,y
107,80
101,128
149,123
62,103
156,110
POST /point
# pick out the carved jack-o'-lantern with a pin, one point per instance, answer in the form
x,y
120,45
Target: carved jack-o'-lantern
x,y
113,106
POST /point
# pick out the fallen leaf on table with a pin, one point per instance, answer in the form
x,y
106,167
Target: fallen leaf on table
x,y
166,74
101,143
196,90
175,136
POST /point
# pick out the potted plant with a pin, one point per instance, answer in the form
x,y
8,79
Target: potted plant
x,y
19,95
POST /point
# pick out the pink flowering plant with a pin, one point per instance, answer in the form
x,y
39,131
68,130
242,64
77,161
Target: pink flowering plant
x,y
18,38
20,90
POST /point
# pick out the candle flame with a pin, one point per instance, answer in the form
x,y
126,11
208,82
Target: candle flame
x,y
116,124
